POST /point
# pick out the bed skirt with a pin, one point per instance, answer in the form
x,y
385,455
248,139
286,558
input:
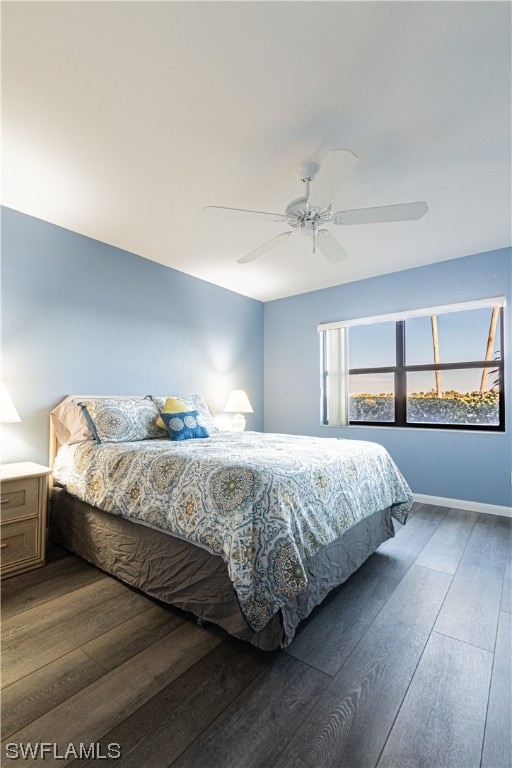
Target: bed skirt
x,y
190,578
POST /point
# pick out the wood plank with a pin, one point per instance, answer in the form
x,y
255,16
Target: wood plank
x,y
416,506
54,612
412,537
333,630
161,729
470,612
28,590
506,595
498,730
52,570
350,724
441,722
329,635
444,550
254,729
37,693
46,646
95,710
120,643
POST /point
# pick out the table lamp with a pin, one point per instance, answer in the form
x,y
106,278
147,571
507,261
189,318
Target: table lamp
x,y
8,413
238,404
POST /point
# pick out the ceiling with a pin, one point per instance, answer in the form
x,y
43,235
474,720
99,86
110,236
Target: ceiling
x,y
122,120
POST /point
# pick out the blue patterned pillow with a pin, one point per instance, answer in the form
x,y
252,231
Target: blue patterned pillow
x,y
184,425
194,403
125,420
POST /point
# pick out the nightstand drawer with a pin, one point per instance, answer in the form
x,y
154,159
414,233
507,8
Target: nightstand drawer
x,y
19,499
18,542
22,516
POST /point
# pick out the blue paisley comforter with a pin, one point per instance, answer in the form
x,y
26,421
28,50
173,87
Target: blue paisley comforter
x,y
263,502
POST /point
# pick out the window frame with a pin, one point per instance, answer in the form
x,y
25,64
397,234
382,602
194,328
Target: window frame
x,y
401,369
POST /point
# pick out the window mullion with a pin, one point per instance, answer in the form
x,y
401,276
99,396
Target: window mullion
x,y
400,376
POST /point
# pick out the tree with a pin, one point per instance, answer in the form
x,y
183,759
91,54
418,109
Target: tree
x,y
435,344
490,346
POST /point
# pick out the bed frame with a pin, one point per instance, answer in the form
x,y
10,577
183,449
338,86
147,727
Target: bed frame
x,y
187,576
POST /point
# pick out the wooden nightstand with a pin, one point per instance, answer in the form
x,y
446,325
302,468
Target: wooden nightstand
x,y
22,517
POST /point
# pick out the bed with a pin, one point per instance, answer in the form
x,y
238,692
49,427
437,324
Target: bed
x,y
247,530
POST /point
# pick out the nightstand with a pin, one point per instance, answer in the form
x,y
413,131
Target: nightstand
x,y
24,498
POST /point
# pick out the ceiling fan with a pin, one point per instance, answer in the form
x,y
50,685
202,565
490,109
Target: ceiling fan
x,y
308,214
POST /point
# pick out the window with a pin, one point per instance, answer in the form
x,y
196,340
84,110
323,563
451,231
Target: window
x,y
441,367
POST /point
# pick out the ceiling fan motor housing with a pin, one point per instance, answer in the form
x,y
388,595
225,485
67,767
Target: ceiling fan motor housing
x,y
296,210
308,171
299,212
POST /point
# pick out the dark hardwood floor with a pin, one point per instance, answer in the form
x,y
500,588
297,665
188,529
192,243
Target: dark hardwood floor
x,y
407,665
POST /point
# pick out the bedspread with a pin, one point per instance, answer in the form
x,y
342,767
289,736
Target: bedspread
x,y
261,501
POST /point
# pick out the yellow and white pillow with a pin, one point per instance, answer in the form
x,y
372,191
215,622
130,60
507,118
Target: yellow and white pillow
x,y
172,405
188,403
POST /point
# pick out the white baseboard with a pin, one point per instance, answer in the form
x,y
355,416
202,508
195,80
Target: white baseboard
x,y
471,506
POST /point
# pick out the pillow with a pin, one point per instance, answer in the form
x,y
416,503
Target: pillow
x,y
193,403
184,425
122,421
172,405
69,422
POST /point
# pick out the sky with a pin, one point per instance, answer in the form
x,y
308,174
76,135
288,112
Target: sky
x,y
462,338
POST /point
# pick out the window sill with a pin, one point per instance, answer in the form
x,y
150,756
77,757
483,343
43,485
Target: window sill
x,y
434,430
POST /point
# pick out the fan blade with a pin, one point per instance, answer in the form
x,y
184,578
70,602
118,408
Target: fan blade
x,y
264,248
383,213
330,247
255,214
334,171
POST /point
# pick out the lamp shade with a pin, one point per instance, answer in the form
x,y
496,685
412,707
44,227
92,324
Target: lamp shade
x,y
8,412
238,402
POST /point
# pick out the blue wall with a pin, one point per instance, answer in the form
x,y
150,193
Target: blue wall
x,y
457,465
79,316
